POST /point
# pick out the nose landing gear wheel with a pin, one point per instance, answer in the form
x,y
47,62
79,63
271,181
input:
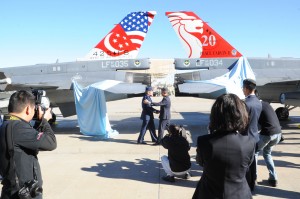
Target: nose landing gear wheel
x,y
53,119
282,113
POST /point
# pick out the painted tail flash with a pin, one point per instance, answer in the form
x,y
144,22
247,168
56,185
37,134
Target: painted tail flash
x,y
125,39
198,38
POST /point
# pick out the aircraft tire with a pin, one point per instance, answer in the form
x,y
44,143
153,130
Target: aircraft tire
x,y
282,113
53,120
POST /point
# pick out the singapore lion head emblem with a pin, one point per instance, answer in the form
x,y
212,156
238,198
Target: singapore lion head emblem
x,y
189,28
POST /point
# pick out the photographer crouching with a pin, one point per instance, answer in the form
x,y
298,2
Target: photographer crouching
x,y
19,146
178,161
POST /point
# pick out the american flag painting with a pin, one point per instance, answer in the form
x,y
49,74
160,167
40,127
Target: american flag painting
x,y
127,36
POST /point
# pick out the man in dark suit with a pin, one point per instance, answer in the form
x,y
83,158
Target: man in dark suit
x,y
147,117
165,114
254,108
253,105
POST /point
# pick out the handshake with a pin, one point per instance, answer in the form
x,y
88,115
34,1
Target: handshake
x,y
148,102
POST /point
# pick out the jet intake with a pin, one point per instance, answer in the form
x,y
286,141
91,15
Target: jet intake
x,y
290,98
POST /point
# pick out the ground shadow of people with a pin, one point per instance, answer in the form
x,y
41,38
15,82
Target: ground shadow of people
x,y
284,154
281,163
263,189
144,170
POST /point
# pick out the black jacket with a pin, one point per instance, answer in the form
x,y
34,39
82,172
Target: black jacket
x,y
165,106
27,143
178,152
225,157
268,120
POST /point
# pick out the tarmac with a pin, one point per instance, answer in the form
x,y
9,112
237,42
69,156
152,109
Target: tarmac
x,y
90,168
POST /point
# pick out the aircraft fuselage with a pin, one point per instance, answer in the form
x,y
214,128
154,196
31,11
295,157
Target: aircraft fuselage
x,y
57,78
273,75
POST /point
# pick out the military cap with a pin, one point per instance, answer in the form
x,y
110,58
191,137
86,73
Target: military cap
x,y
149,88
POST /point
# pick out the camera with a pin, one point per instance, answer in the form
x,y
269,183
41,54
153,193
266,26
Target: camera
x,y
30,190
40,101
186,134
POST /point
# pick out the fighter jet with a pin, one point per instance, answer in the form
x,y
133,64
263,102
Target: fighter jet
x,y
110,59
210,56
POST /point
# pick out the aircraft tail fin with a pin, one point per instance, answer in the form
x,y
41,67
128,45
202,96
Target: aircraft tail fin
x,y
198,38
125,39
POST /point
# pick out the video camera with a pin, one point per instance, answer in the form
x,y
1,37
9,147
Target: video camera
x,y
40,101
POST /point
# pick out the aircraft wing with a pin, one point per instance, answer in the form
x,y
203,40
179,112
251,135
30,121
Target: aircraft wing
x,y
199,87
119,87
30,86
127,88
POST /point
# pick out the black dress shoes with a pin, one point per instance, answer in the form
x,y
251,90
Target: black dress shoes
x,y
273,183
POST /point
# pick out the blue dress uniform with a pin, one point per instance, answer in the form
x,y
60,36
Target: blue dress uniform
x,y
148,120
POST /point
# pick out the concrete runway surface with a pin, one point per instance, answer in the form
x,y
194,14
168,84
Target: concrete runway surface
x,y
91,168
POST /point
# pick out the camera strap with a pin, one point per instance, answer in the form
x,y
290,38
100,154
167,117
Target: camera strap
x,y
10,148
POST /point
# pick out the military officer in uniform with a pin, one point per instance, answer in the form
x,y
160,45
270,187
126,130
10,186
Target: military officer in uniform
x,y
147,117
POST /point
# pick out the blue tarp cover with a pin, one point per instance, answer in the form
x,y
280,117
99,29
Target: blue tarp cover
x,y
91,110
232,81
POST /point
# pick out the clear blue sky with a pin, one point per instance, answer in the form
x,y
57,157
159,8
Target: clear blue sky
x,y
36,31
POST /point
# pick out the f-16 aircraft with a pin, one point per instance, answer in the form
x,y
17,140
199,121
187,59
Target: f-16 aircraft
x,y
108,60
210,56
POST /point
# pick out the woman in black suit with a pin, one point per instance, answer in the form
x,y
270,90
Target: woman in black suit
x,y
226,153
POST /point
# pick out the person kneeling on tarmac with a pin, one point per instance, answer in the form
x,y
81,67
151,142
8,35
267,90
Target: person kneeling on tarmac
x,y
178,161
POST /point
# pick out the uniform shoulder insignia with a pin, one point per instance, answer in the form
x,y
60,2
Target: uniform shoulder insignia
x,y
39,135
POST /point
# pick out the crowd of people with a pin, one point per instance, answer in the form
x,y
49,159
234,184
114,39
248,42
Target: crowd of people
x,y
238,131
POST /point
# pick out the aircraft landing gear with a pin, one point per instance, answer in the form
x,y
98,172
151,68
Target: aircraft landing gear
x,y
282,113
53,119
